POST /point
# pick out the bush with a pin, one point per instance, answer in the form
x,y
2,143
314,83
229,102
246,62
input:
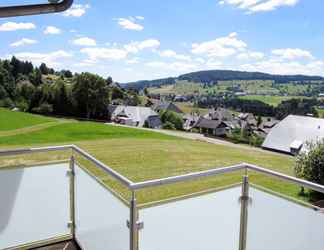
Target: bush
x,y
43,109
173,118
7,103
310,164
22,105
168,125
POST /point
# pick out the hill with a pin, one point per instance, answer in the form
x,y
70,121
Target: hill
x,y
143,155
213,76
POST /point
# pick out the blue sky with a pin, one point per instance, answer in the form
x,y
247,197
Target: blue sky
x,y
147,39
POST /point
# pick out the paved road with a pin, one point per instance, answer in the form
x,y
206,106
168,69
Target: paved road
x,y
200,137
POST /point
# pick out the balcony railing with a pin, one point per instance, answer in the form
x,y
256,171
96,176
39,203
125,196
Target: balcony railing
x,y
48,203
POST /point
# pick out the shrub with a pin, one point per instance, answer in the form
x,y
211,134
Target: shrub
x,y
168,125
7,103
43,109
173,118
310,164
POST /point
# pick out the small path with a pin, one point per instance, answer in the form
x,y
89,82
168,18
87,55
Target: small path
x,y
32,128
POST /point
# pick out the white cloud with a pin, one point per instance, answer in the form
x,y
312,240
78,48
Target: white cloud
x,y
140,17
220,47
85,41
52,30
130,24
12,26
133,61
23,42
250,55
105,53
291,54
52,59
173,54
212,64
85,63
77,10
291,67
175,66
259,5
135,47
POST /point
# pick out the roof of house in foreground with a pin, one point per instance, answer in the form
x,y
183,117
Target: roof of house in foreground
x,y
294,128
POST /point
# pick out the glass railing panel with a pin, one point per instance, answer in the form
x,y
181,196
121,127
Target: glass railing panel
x,y
208,222
101,216
34,204
278,223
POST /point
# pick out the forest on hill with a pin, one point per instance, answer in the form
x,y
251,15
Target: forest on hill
x,y
213,76
43,90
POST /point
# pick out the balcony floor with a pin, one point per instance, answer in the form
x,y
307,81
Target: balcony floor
x,y
67,245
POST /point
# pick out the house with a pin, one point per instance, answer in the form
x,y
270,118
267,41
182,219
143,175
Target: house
x,y
291,134
167,106
224,115
220,114
211,127
189,121
267,125
134,116
248,118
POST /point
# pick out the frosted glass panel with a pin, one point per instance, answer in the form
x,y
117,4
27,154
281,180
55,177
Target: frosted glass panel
x,y
276,223
34,204
100,216
208,222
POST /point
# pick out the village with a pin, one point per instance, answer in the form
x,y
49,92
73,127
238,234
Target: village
x,y
289,136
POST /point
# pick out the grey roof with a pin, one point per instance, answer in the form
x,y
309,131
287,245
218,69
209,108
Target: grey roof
x,y
221,114
207,123
167,106
137,114
294,128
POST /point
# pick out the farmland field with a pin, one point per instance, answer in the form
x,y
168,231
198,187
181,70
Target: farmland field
x,y
271,100
142,155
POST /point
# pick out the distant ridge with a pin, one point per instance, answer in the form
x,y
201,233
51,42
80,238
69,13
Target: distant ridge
x,y
212,76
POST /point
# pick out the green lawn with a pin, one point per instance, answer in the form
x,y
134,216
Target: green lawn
x,y
271,100
143,155
17,120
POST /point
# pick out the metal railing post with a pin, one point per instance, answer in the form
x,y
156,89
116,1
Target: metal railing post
x,y
72,195
133,227
244,212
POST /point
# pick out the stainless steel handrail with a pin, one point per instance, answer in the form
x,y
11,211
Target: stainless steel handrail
x,y
104,167
76,149
186,177
169,180
35,9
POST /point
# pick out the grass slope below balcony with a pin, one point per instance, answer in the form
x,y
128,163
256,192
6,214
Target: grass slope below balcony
x,y
143,155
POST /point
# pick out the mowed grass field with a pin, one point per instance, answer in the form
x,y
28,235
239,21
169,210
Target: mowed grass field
x,y
271,100
10,120
144,155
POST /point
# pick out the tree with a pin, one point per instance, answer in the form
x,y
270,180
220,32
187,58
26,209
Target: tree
x,y
173,118
310,164
92,95
62,104
259,120
36,77
43,68
109,81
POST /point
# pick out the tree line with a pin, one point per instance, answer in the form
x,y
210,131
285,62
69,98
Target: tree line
x,y
46,91
294,106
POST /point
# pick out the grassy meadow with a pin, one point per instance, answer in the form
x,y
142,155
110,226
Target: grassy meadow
x,y
271,100
143,155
